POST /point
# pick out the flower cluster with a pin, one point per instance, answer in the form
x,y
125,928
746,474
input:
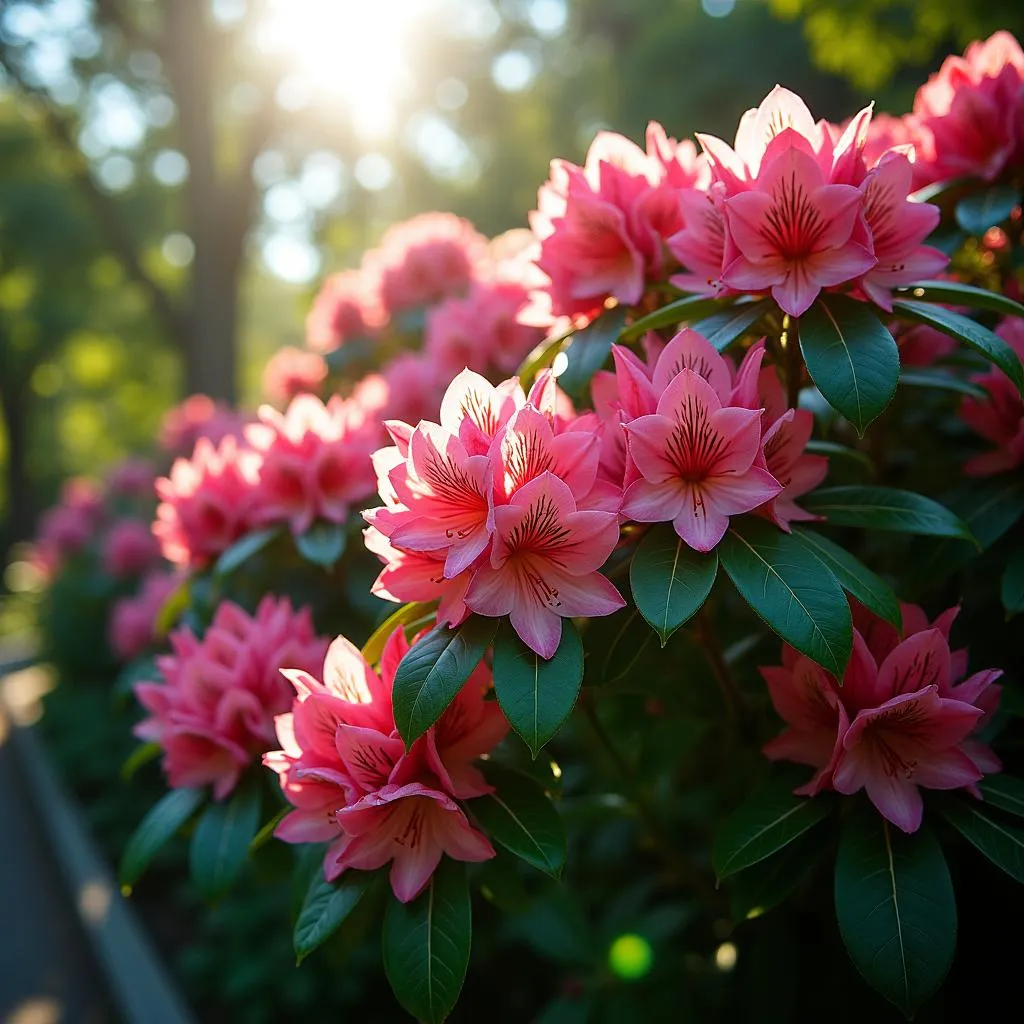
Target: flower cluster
x,y
999,418
347,307
904,717
197,417
213,712
345,770
497,509
310,462
291,372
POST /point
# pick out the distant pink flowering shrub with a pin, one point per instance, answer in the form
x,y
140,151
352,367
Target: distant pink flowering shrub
x,y
130,548
291,372
132,628
213,712
352,783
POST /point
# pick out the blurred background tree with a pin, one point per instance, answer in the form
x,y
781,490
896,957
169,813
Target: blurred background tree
x,y
179,174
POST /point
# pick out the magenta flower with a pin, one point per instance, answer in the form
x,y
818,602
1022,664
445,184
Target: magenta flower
x,y
214,710
477,410
344,769
132,478
197,417
898,228
132,627
130,548
291,372
900,720
544,563
793,233
207,502
346,308
697,462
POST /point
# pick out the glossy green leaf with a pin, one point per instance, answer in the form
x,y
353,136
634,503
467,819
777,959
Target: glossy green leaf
x,y
724,327
768,820
790,589
161,822
896,910
981,339
956,293
1011,589
1001,843
978,212
141,755
587,350
326,906
840,451
220,843
537,696
1005,792
172,609
433,671
519,815
851,357
763,886
940,380
854,576
243,549
417,613
426,944
689,309
670,581
885,508
322,544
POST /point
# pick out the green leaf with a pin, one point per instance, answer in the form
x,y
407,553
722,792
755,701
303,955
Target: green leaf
x,y
853,576
763,886
790,589
433,671
326,906
142,754
220,843
519,815
587,350
981,339
723,328
537,696
940,380
1012,588
689,309
840,451
426,944
156,828
542,356
322,544
851,357
885,508
670,580
417,613
896,910
956,294
938,188
764,823
1005,792
243,549
172,609
1002,844
982,210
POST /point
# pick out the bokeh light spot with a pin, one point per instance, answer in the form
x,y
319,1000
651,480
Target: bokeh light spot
x,y
630,957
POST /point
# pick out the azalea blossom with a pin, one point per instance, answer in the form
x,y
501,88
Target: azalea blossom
x,y
132,627
291,372
697,461
544,563
214,710
348,307
901,719
198,416
346,772
130,548
998,418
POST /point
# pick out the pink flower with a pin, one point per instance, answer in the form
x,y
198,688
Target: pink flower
x,y
345,770
207,502
999,418
292,372
973,110
696,458
63,532
214,710
426,259
544,563
898,228
792,232
132,628
132,478
130,548
895,724
921,345
198,416
481,329
315,460
415,384
347,307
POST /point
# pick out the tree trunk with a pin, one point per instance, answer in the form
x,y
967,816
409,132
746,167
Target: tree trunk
x,y
20,505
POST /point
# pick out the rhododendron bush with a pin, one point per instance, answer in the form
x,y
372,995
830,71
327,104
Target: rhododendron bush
x,y
683,537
